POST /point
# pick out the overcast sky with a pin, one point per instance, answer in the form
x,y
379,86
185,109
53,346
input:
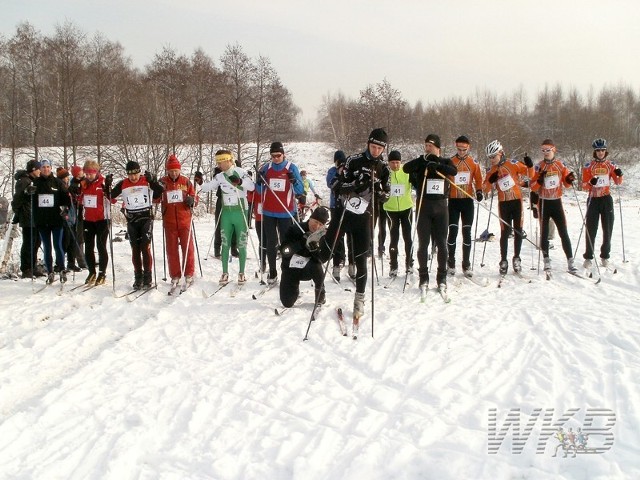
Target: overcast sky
x,y
427,49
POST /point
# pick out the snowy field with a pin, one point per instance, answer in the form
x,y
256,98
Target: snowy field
x,y
97,387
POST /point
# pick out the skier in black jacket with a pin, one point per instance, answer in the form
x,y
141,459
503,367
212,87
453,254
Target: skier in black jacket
x,y
365,178
21,206
432,210
302,257
51,204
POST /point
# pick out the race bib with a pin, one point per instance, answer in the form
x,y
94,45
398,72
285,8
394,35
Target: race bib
x,y
551,181
506,183
230,199
603,181
463,178
357,205
277,184
174,196
435,186
90,201
298,261
397,189
45,200
137,200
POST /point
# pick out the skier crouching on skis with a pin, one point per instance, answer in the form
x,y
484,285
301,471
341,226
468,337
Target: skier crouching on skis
x,y
138,192
302,257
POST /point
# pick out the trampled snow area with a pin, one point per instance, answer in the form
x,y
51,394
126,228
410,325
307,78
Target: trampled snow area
x,y
96,387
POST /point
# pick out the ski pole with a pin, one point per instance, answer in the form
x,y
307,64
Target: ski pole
x,y
164,256
215,228
624,259
586,231
113,265
484,248
264,182
415,230
326,268
475,236
195,239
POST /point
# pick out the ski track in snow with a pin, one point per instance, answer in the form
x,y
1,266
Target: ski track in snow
x,y
97,387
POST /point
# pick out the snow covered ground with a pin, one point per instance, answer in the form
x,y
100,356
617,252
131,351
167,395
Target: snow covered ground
x,y
96,387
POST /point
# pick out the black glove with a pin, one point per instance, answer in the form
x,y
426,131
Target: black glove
x,y
479,195
318,197
493,178
198,177
189,201
541,177
149,176
108,180
618,172
527,161
302,199
292,177
64,211
525,184
31,189
593,181
570,178
534,210
383,196
235,179
432,166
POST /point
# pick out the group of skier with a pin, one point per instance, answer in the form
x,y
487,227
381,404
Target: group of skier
x,y
365,188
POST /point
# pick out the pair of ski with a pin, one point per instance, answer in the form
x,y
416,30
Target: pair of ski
x,y
342,324
236,289
135,293
263,290
515,274
442,291
178,289
281,311
46,285
549,276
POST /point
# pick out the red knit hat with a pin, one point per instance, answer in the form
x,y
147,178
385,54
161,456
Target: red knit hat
x,y
76,170
173,163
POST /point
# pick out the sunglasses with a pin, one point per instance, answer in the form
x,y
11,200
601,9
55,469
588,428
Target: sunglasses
x,y
601,149
276,155
547,150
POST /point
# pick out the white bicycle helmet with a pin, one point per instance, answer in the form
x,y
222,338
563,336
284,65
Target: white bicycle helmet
x,y
493,148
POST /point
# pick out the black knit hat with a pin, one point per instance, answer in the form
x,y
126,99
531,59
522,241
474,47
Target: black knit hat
x,y
394,155
132,167
463,139
339,157
276,147
434,139
378,137
320,214
33,165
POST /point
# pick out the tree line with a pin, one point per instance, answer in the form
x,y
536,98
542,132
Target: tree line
x,y
571,119
74,91
82,94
